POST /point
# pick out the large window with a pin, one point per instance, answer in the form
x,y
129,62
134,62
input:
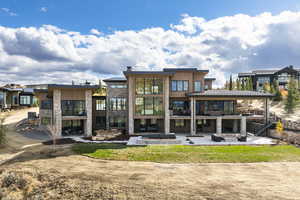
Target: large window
x,y
117,122
118,103
149,105
1,98
211,107
197,86
45,121
25,100
46,104
149,86
100,121
180,107
100,104
73,108
179,85
179,122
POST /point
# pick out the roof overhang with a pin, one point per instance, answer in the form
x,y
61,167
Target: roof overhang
x,y
231,93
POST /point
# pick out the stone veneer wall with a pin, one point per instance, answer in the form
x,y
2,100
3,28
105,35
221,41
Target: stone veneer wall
x,y
57,114
88,104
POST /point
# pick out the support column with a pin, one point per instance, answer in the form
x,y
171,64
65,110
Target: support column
x,y
235,125
193,116
267,113
167,104
57,115
243,126
219,125
130,105
88,108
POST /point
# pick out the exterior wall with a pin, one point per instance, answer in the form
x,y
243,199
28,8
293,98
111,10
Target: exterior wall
x,y
57,117
116,92
73,94
208,84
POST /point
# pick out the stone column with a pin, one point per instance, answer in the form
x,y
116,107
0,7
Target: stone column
x,y
167,104
219,125
130,105
267,113
57,115
193,116
88,109
243,126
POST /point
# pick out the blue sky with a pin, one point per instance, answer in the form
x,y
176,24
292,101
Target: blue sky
x,y
45,41
111,15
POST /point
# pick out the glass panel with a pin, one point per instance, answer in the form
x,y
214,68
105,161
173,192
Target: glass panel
x,y
149,106
179,122
185,85
25,100
139,106
148,85
179,85
140,85
157,86
197,86
174,86
113,103
46,104
158,106
228,107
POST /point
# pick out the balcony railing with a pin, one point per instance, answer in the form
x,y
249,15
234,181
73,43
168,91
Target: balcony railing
x,y
180,112
73,113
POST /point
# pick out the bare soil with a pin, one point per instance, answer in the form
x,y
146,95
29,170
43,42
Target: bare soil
x,y
44,174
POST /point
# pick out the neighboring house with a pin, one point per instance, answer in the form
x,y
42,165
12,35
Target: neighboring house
x,y
116,110
67,109
261,77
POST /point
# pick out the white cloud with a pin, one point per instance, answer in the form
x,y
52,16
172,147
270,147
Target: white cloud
x,y
95,32
223,45
43,9
9,12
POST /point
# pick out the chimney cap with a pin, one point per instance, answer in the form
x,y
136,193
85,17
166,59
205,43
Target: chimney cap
x,y
129,68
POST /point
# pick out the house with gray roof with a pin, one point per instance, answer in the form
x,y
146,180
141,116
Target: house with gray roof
x,y
269,76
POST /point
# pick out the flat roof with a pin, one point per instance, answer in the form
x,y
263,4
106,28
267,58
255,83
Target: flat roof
x,y
149,72
210,79
230,93
115,79
184,69
73,86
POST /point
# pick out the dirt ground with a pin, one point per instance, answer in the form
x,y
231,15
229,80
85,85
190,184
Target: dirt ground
x,y
63,175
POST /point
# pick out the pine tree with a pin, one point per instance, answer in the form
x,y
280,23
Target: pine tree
x,y
293,96
230,83
276,91
238,84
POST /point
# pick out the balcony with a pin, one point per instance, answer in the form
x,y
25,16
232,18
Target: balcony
x,y
73,113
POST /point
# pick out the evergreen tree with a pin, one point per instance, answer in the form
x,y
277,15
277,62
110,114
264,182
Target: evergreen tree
x,y
238,84
293,96
266,87
276,91
250,86
230,83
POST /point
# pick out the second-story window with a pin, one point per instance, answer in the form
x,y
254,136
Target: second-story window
x,y
73,107
148,86
179,85
118,103
46,104
100,104
197,85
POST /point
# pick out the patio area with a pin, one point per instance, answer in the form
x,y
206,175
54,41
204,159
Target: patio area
x,y
201,141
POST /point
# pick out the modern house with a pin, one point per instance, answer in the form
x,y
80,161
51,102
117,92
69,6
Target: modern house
x,y
174,100
261,77
14,96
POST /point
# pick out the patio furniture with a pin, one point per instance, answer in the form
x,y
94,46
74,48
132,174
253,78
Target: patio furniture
x,y
217,138
242,138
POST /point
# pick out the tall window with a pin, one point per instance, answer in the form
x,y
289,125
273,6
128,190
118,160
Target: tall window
x,y
197,86
100,104
179,85
149,86
149,105
73,107
25,100
118,103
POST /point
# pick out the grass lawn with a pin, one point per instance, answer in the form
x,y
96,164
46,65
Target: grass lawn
x,y
190,154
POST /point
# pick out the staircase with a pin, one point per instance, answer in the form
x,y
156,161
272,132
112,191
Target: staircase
x,y
262,130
